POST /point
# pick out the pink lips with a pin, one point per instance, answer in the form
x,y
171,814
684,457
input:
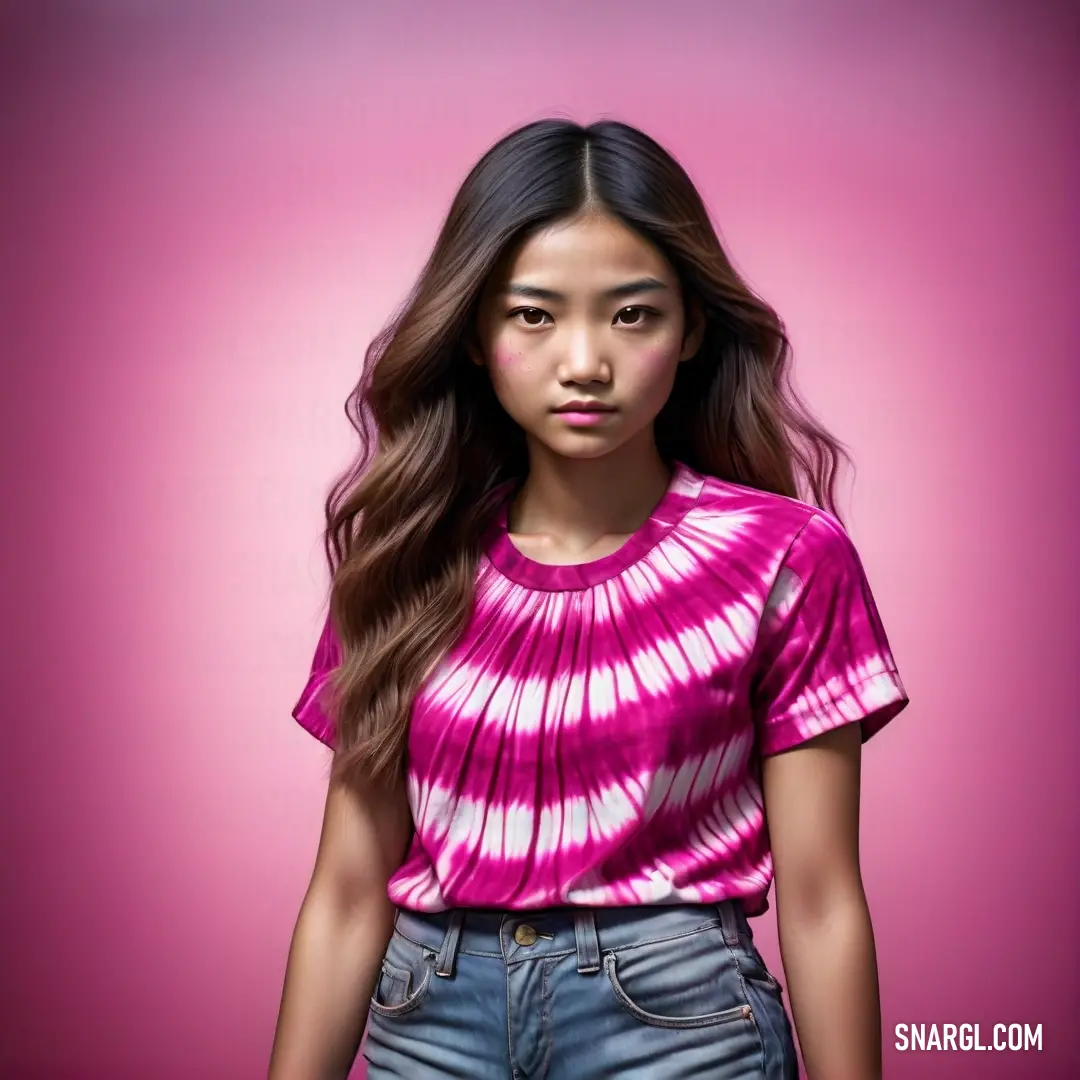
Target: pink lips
x,y
584,419
584,413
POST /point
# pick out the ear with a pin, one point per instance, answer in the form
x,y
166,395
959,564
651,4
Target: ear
x,y
470,341
694,333
472,350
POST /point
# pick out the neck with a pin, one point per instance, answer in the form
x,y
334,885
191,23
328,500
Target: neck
x,y
591,497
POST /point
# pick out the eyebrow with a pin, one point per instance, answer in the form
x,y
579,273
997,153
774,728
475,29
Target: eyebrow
x,y
619,292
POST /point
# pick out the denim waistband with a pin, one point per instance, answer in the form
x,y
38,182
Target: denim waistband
x,y
518,936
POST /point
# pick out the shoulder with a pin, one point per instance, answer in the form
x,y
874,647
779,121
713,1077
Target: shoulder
x,y
760,518
767,529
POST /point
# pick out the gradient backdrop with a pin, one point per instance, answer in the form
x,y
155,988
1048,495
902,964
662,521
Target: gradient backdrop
x,y
207,212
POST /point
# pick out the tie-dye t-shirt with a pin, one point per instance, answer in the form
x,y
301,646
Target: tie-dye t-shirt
x,y
595,737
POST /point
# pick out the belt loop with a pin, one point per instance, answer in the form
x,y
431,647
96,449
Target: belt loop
x,y
730,923
588,943
444,964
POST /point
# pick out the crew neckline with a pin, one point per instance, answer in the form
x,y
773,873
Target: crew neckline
x,y
681,496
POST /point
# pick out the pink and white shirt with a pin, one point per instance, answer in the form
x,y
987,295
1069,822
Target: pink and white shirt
x,y
595,736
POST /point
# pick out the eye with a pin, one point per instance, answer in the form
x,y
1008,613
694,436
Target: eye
x,y
638,315
529,316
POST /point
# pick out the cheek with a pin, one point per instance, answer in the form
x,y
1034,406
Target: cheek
x,y
650,374
509,367
505,357
657,359
512,376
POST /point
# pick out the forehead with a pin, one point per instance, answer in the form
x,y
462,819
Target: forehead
x,y
587,251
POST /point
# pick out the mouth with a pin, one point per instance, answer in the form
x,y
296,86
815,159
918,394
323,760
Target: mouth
x,y
584,414
583,408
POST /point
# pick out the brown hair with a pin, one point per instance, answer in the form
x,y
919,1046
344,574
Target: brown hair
x,y
405,523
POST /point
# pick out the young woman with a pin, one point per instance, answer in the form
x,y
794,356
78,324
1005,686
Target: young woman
x,y
584,642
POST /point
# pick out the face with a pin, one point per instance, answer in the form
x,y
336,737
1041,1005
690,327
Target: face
x,y
582,332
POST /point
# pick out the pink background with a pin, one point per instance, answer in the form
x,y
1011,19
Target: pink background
x,y
207,212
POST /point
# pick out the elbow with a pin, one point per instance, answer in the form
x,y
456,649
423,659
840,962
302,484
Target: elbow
x,y
349,895
819,896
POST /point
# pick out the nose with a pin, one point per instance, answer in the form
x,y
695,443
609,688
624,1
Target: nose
x,y
584,361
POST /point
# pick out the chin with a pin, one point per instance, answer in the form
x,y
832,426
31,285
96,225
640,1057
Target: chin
x,y
586,446
587,443
585,453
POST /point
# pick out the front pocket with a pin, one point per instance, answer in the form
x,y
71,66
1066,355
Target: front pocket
x,y
401,988
731,1014
393,986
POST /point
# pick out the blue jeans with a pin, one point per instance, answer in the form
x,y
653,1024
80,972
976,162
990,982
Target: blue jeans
x,y
654,993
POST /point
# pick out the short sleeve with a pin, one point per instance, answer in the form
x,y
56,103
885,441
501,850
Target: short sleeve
x,y
822,659
312,711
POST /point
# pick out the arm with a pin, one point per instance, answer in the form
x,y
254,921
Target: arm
x,y
826,937
341,935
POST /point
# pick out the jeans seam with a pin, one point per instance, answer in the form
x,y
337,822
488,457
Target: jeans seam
x,y
514,1071
434,949
779,1038
714,925
746,997
519,960
545,1016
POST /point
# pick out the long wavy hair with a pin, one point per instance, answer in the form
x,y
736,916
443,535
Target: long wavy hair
x,y
404,525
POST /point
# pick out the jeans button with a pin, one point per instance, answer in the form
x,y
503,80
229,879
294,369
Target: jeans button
x,y
525,935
